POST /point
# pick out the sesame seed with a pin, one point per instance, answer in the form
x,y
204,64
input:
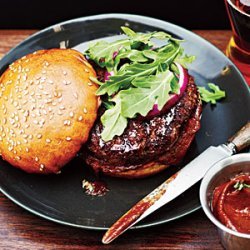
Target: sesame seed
x,y
27,150
44,71
65,82
64,72
18,158
36,159
68,82
62,107
90,84
67,122
40,87
71,114
44,111
42,166
59,94
80,118
25,140
48,100
35,122
33,115
25,136
26,125
55,93
85,110
12,121
59,112
46,63
41,123
10,148
48,140
4,120
1,138
50,81
68,138
86,70
30,137
39,136
75,95
26,113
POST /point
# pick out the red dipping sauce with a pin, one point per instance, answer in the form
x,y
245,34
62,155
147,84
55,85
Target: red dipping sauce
x,y
231,203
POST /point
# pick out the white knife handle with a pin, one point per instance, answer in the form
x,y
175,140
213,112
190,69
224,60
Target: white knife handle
x,y
241,139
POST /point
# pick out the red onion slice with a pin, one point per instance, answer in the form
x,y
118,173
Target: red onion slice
x,y
174,98
108,74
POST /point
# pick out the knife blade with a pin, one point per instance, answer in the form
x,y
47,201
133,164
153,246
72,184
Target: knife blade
x,y
178,183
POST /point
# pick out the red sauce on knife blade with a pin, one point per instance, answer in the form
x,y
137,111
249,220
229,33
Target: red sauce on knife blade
x,y
129,218
231,204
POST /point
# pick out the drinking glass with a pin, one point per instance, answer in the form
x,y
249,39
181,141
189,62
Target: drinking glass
x,y
238,49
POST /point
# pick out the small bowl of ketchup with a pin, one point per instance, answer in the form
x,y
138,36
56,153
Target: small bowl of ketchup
x,y
225,199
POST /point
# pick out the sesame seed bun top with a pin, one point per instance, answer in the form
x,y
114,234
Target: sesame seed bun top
x,y
47,108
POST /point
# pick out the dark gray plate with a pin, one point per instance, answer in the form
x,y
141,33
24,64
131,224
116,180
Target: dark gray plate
x,y
60,198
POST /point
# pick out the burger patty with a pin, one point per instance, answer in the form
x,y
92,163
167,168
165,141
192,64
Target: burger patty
x,y
164,138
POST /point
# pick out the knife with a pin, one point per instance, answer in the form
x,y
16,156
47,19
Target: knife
x,y
178,183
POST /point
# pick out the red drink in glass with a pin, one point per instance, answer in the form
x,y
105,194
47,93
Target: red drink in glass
x,y
238,49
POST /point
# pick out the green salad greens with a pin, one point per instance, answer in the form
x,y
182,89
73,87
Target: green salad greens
x,y
146,75
212,95
141,75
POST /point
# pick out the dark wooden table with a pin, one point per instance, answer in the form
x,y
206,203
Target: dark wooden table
x,y
21,230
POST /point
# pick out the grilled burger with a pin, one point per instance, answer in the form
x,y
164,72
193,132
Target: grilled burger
x,y
150,141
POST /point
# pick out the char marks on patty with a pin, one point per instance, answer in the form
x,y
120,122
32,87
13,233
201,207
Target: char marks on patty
x,y
144,141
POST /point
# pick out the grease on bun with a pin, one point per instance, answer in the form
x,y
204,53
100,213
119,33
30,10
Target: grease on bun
x,y
47,108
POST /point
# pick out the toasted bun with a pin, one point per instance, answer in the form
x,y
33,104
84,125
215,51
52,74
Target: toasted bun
x,y
149,169
47,108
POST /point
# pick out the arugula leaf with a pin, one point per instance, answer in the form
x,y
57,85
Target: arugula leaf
x,y
211,96
154,89
124,77
114,123
102,52
239,185
144,75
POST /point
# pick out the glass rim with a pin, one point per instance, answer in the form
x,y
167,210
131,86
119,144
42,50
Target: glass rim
x,y
235,7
